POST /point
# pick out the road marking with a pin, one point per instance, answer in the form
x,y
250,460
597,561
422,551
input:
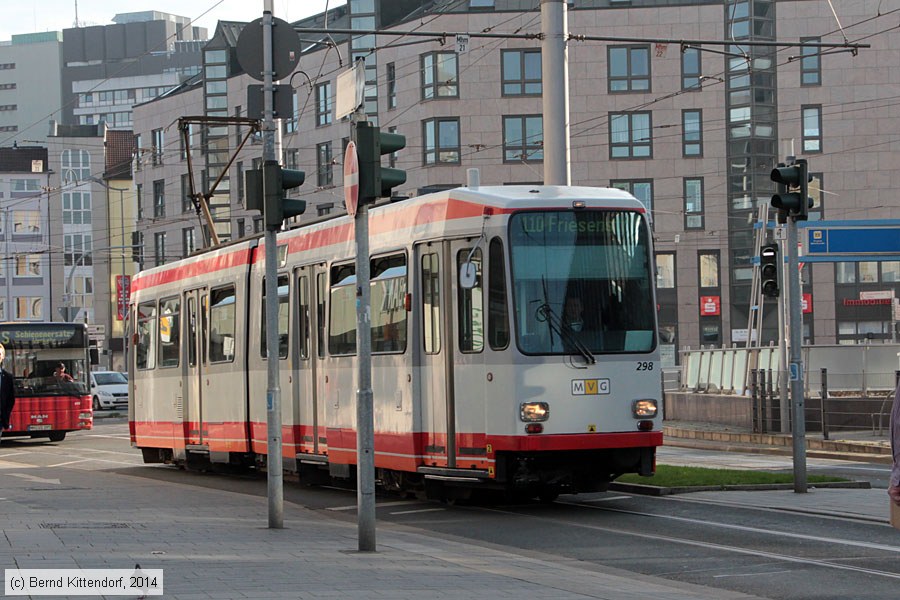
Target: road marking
x,y
381,505
35,478
656,537
4,464
752,574
414,512
798,536
606,499
114,437
71,462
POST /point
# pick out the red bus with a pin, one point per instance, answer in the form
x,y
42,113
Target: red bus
x,y
47,405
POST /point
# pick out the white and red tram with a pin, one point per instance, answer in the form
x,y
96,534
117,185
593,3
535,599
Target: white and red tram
x,y
491,382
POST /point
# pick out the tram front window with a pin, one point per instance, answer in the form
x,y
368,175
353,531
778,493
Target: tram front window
x,y
582,282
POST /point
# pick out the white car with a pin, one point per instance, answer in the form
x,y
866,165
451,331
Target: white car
x,y
109,389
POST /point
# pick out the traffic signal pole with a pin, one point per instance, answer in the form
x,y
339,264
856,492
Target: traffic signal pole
x,y
796,367
274,466
792,199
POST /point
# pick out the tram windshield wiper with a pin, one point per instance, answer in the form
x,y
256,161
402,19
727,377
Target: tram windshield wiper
x,y
545,313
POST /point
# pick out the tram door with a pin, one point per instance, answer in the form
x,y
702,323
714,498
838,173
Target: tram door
x,y
307,398
451,357
195,302
319,287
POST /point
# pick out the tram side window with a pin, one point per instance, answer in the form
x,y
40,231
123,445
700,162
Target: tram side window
x,y
145,349
431,303
169,328
471,306
498,311
283,318
342,328
388,300
221,324
320,314
303,296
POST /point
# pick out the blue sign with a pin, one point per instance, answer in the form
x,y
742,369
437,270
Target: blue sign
x,y
851,240
795,371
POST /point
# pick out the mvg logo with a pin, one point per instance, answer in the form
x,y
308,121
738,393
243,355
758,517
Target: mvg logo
x,y
590,387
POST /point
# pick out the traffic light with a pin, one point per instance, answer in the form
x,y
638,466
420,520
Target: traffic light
x,y
793,191
265,192
768,270
376,181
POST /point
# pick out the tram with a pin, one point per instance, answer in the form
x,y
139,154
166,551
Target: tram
x,y
485,371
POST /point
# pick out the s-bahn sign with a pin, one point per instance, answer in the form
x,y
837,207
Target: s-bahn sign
x,y
836,241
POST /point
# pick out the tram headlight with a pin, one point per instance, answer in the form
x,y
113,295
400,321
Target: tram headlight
x,y
534,411
644,408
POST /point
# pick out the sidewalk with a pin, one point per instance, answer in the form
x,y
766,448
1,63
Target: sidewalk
x,y
857,445
216,544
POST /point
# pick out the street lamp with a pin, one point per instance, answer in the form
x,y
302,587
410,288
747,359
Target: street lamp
x,y
122,278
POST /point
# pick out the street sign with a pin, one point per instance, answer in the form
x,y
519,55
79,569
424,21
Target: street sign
x,y
96,332
285,49
123,292
68,313
795,371
351,87
850,238
351,179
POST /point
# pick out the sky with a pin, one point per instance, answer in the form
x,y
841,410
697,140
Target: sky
x,y
56,15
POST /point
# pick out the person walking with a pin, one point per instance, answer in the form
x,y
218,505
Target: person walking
x,y
7,393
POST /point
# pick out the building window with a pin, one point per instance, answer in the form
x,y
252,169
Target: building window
x,y
76,166
186,203
77,249
290,123
139,197
665,270
188,242
159,248
629,68
29,308
690,69
185,148
324,165
158,146
868,272
441,141
26,222
691,133
812,129
709,269
629,135
642,189
28,265
239,175
810,62
159,198
523,138
845,272
693,203
521,72
76,208
439,75
391,86
323,104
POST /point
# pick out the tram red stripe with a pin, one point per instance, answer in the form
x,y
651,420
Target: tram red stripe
x,y
342,441
194,268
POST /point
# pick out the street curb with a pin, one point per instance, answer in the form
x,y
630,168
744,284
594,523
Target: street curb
x,y
654,490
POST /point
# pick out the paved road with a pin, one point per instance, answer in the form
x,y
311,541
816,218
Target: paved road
x,y
767,544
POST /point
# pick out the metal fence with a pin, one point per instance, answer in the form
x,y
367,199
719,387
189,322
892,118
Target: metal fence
x,y
865,369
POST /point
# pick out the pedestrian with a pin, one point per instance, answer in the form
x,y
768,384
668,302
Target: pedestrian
x,y
7,393
894,487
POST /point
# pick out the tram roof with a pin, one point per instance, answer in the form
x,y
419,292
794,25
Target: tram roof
x,y
537,195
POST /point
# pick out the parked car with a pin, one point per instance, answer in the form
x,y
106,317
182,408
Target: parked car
x,y
109,390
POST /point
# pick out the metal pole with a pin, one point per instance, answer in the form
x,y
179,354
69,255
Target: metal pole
x,y
798,401
824,399
125,314
784,406
274,465
555,75
365,418
8,266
